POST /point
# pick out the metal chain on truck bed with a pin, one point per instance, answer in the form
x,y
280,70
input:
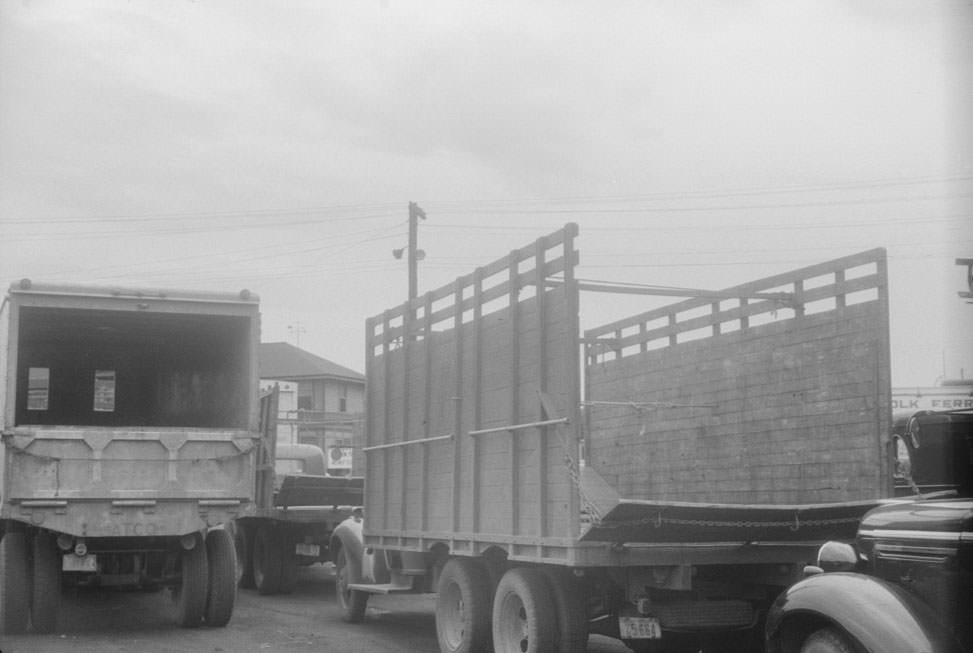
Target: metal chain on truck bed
x,y
794,525
588,506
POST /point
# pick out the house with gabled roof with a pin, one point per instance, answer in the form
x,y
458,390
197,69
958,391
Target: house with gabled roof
x,y
329,406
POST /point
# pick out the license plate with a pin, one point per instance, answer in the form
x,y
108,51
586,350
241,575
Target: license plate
x,y
72,562
303,549
639,628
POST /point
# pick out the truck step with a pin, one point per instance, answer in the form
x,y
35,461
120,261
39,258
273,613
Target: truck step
x,y
386,588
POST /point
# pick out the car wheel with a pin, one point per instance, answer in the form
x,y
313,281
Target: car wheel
x,y
827,640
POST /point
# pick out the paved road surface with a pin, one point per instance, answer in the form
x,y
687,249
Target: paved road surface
x,y
308,620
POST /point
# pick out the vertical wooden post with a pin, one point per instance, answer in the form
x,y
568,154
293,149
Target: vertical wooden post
x,y
459,437
368,434
387,408
883,400
408,342
573,356
799,298
426,415
542,362
477,392
514,293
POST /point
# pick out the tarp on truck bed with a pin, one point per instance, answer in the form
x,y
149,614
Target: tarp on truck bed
x,y
659,522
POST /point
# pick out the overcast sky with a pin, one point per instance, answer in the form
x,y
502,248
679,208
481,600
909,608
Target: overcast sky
x,y
276,146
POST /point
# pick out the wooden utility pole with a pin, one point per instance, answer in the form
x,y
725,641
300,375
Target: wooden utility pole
x,y
414,214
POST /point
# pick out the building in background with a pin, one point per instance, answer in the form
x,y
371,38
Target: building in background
x,y
321,402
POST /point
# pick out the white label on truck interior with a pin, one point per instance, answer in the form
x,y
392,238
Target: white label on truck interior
x,y
104,391
639,628
38,388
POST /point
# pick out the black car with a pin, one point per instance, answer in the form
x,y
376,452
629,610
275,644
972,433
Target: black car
x,y
907,583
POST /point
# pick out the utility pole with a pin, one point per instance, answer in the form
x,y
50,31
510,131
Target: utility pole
x,y
967,294
414,253
297,329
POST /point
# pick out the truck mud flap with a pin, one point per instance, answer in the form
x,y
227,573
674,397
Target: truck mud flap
x,y
650,522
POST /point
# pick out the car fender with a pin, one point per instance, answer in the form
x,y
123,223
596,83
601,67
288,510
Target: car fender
x,y
881,617
348,536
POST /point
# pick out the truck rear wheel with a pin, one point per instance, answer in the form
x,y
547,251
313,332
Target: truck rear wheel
x,y
243,543
288,563
523,617
266,561
14,595
570,613
221,554
45,600
351,602
463,607
190,596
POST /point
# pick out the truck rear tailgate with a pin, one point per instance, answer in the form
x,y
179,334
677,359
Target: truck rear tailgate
x,y
72,478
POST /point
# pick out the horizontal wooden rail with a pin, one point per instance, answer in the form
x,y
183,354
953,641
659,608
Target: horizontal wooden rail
x,y
521,427
403,443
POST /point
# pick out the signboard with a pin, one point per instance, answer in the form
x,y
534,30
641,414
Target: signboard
x,y
339,457
38,388
935,398
104,391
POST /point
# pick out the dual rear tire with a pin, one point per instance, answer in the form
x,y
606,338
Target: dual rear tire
x,y
14,583
30,583
274,569
207,589
532,610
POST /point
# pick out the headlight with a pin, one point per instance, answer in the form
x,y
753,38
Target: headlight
x,y
837,556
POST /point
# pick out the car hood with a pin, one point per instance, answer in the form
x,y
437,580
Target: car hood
x,y
943,515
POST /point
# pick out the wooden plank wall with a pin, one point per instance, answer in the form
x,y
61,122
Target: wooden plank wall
x,y
475,356
793,410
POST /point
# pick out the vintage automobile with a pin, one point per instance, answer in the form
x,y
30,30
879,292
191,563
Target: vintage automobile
x,y
907,582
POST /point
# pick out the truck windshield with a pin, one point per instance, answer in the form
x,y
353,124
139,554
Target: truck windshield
x,y
944,458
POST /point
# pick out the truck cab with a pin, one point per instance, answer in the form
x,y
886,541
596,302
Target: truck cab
x,y
906,584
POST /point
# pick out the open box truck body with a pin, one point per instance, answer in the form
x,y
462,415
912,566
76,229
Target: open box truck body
x,y
724,438
129,425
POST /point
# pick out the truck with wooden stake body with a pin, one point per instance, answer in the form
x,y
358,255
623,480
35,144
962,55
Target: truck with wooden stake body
x,y
660,479
296,508
129,426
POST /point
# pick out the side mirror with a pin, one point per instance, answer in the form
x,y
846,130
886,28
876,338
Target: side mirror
x,y
837,556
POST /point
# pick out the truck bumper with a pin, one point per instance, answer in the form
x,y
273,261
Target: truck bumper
x,y
126,518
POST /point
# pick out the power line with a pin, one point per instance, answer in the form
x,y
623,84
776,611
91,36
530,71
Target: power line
x,y
218,215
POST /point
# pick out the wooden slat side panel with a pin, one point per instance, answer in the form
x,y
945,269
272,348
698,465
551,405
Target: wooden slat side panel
x,y
816,288
799,411
447,373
